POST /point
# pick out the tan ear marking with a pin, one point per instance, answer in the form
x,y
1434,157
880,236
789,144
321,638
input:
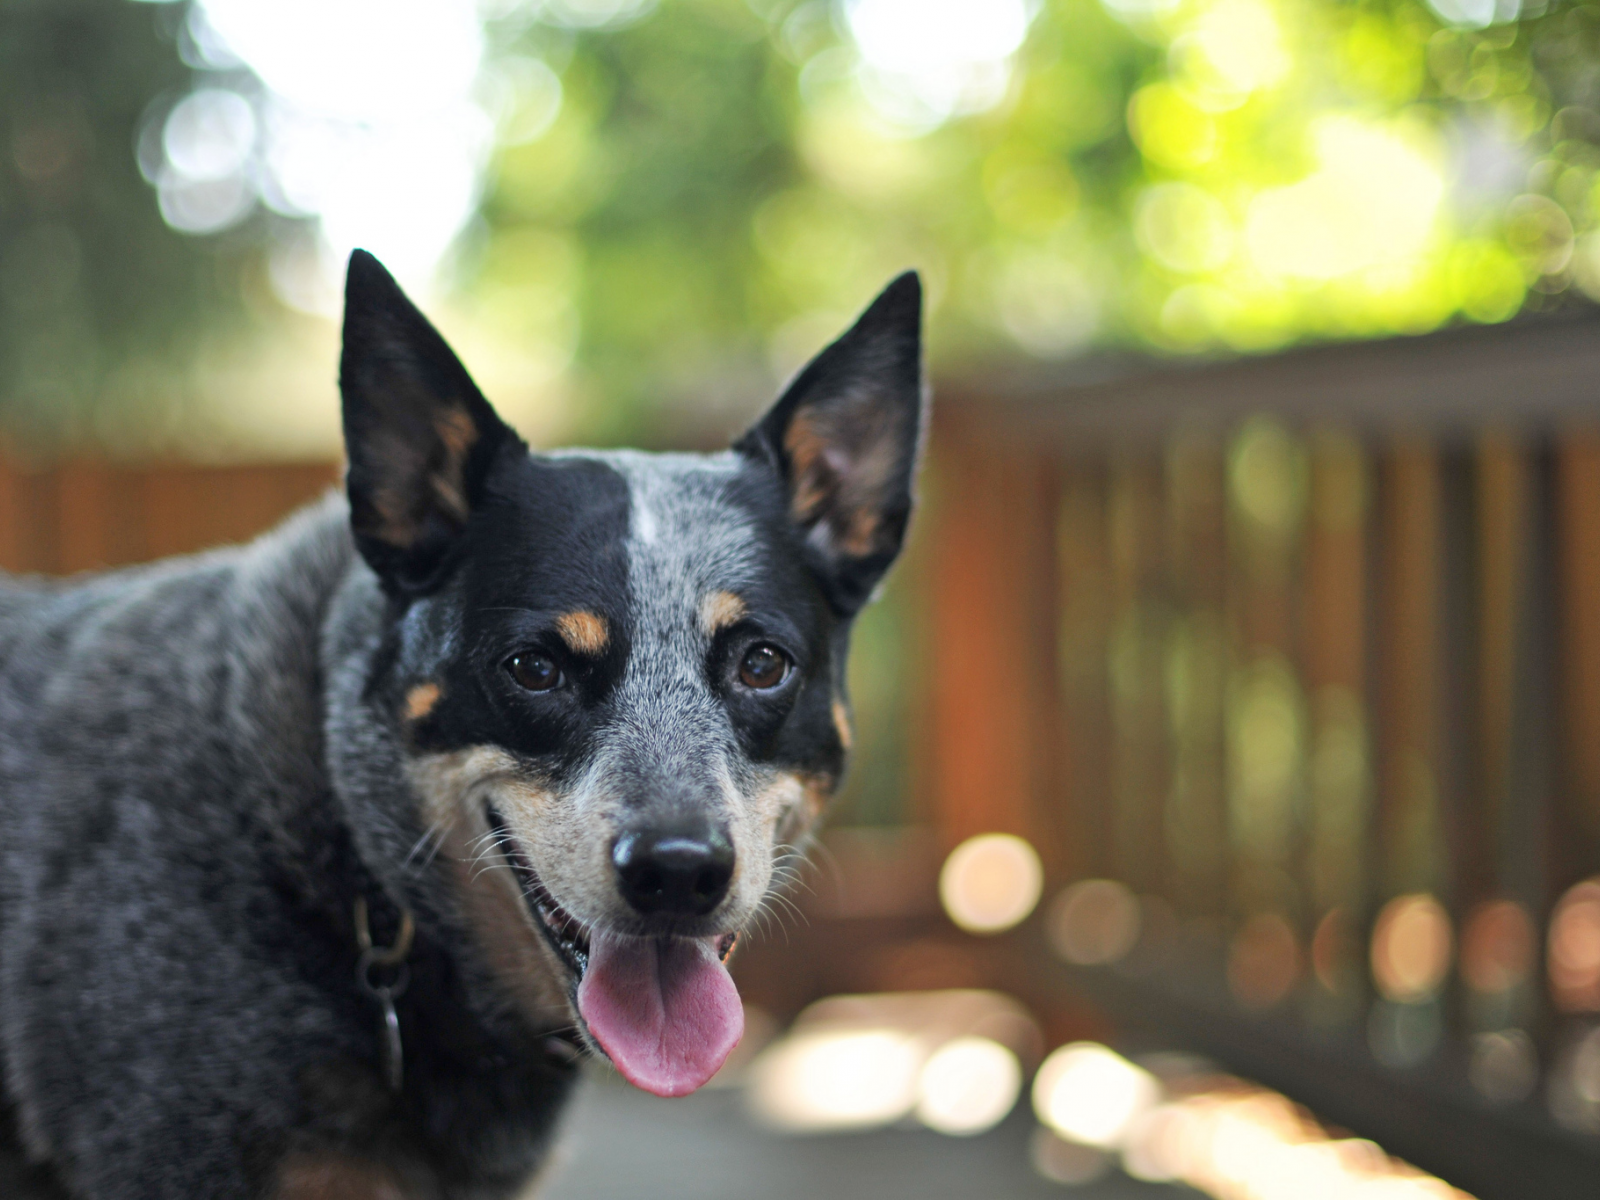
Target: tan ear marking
x,y
584,632
421,700
842,472
719,610
457,434
841,722
457,431
806,446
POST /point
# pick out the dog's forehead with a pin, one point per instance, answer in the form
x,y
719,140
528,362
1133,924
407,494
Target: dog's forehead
x,y
687,533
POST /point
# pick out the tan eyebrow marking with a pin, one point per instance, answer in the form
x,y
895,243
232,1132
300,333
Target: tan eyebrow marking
x,y
420,700
583,631
719,610
841,722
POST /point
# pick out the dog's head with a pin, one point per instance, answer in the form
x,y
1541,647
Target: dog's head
x,y
614,682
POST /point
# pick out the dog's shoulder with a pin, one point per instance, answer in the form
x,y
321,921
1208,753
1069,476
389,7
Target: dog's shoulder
x,y
95,641
183,692
160,785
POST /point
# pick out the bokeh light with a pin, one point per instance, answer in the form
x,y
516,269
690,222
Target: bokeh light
x,y
1574,949
1372,200
1095,921
1227,1138
990,882
1574,1085
1066,1162
368,122
1411,948
1504,1065
1498,944
953,1059
1335,951
967,1086
1237,1141
207,139
1089,1093
1263,961
1476,14
1404,1033
837,1079
927,60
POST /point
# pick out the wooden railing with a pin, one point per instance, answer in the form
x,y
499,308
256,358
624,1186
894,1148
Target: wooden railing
x,y
1304,653
85,514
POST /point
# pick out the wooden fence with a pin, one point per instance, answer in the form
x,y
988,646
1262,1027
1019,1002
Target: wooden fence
x,y
1303,652
85,514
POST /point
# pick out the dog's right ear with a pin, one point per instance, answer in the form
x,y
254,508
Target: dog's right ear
x,y
419,435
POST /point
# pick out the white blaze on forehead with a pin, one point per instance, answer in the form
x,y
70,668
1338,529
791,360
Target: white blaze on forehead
x,y
671,724
643,526
685,537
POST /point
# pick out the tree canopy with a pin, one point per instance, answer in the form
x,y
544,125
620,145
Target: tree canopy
x,y
674,202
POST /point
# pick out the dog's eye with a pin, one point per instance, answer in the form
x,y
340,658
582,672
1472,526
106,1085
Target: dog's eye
x,y
534,672
763,667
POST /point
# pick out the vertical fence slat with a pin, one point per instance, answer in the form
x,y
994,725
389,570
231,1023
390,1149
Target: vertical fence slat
x,y
1137,653
1458,657
1409,680
14,512
1196,820
1577,503
1265,767
1527,840
992,701
1334,652
1503,520
1084,569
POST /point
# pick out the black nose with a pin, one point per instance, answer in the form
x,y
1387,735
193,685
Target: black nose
x,y
681,871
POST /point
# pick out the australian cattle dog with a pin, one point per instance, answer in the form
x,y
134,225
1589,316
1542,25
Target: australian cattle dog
x,y
329,857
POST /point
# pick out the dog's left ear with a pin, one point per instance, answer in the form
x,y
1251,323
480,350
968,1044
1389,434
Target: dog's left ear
x,y
845,437
419,435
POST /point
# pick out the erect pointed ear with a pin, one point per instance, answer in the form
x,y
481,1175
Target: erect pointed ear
x,y
845,437
419,435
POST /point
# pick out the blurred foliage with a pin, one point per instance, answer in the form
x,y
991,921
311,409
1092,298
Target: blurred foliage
x,y
721,186
95,290
1192,176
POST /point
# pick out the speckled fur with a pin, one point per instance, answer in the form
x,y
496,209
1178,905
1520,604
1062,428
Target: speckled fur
x,y
203,763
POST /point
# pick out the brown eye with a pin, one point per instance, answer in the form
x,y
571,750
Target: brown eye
x,y
763,667
534,672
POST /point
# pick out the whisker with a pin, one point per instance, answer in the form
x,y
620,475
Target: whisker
x,y
485,868
826,860
428,845
762,915
791,906
438,846
416,847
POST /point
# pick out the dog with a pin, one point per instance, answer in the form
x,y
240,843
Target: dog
x,y
328,858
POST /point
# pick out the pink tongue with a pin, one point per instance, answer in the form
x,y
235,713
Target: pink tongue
x,y
665,1011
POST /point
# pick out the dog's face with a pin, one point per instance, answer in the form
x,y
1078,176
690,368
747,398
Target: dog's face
x,y
618,678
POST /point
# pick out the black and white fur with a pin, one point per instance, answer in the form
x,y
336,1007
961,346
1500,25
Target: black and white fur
x,y
205,762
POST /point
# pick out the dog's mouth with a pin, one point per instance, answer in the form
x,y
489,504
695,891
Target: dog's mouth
x,y
560,928
663,1009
